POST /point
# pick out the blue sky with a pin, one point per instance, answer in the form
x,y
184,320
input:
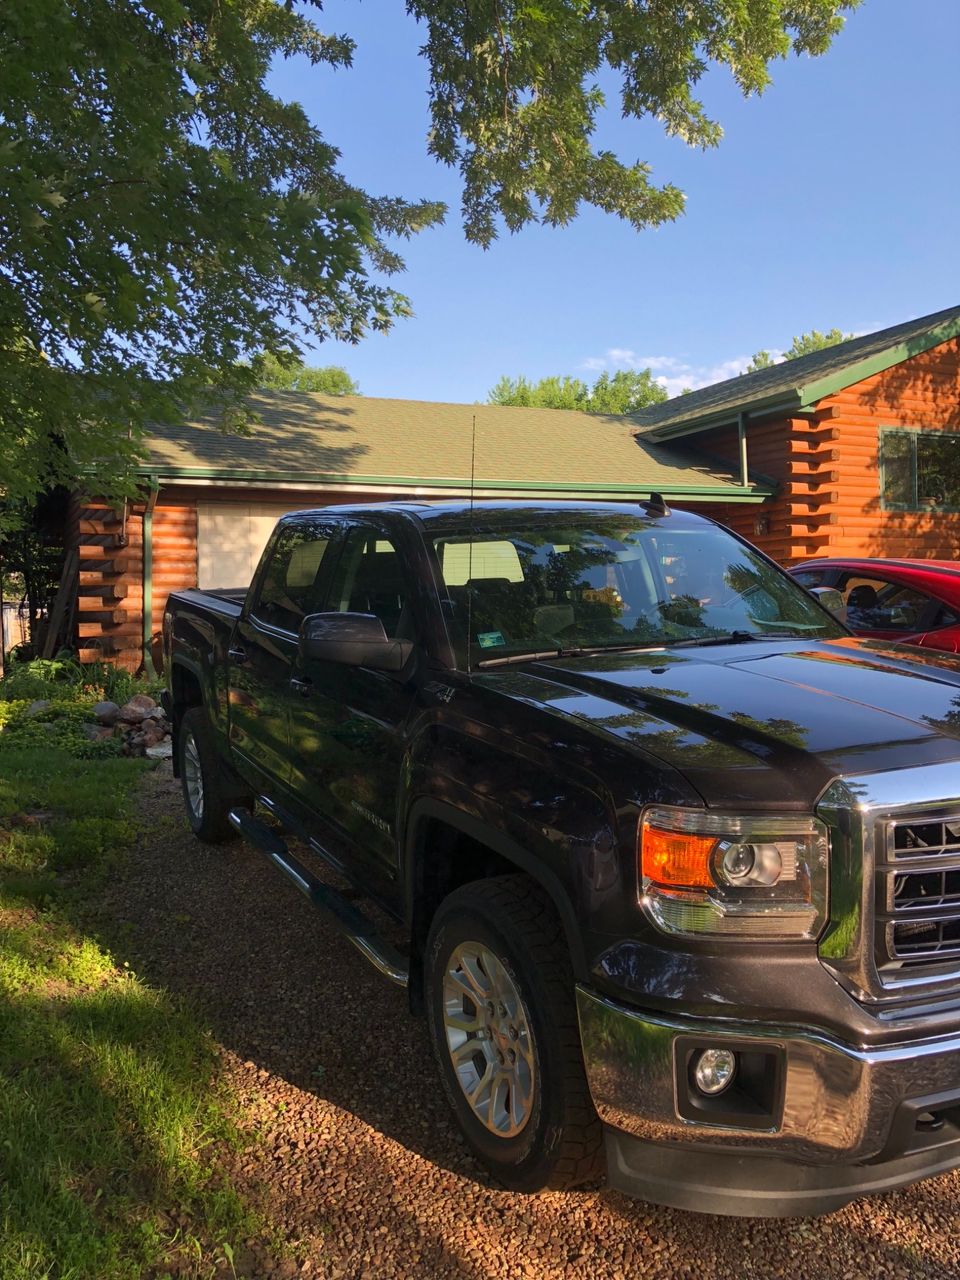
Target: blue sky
x,y
833,199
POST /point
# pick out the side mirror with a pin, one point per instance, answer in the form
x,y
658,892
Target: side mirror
x,y
352,639
832,601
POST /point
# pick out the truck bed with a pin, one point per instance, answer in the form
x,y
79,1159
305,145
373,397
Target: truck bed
x,y
224,602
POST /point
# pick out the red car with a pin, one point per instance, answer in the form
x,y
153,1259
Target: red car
x,y
910,601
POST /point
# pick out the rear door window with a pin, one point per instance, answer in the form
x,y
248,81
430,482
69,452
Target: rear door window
x,y
369,578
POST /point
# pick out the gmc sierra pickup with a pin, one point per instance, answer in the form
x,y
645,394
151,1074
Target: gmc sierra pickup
x,y
675,857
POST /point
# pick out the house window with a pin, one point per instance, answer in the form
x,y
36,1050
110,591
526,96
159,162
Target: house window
x,y
920,470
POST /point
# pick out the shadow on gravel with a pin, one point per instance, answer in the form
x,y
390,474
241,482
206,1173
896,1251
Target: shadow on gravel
x,y
221,928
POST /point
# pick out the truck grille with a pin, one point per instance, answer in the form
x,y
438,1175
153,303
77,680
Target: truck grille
x,y
920,893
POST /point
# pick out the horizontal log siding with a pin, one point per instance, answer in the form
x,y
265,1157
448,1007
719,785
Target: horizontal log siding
x,y
110,590
923,392
799,455
110,606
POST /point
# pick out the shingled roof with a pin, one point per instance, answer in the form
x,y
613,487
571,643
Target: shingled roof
x,y
424,447
797,384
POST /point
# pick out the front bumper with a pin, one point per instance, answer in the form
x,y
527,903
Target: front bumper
x,y
836,1122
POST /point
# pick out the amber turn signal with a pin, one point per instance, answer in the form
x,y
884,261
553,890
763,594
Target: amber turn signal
x,y
676,857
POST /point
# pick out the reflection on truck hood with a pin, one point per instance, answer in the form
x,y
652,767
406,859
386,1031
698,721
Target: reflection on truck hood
x,y
765,723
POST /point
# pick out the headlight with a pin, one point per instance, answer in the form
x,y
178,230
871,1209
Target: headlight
x,y
750,877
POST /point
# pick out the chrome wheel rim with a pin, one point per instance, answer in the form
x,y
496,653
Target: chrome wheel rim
x,y
193,777
487,1028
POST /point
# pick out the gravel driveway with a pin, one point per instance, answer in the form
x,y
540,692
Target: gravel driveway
x,y
358,1161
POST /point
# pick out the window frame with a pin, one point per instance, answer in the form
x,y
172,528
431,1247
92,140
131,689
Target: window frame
x,y
913,434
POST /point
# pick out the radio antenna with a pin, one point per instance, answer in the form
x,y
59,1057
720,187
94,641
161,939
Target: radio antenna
x,y
473,480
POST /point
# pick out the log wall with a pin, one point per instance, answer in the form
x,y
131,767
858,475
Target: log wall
x,y
827,465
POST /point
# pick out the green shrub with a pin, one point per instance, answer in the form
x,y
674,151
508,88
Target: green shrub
x,y
65,679
60,726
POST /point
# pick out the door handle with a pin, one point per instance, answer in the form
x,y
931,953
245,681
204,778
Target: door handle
x,y
237,656
303,687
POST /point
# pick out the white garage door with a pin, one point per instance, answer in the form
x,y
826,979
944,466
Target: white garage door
x,y
230,538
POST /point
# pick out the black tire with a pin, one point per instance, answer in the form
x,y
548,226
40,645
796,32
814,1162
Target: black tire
x,y
197,754
560,1143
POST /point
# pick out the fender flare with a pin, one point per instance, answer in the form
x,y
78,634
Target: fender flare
x,y
495,839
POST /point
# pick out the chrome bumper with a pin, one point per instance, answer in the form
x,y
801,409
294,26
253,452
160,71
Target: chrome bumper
x,y
836,1104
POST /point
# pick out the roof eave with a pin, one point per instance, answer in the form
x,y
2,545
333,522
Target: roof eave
x,y
768,407
880,362
236,476
805,397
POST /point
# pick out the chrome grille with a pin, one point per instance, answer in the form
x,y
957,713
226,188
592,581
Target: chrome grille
x,y
919,908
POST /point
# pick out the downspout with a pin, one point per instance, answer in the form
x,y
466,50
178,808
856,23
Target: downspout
x,y
148,571
742,441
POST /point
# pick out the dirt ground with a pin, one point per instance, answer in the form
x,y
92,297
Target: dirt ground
x,y
358,1162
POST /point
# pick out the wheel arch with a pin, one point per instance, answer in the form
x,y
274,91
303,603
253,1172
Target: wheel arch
x,y
509,856
186,691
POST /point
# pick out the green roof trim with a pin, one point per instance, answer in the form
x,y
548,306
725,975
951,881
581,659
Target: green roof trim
x,y
750,493
796,386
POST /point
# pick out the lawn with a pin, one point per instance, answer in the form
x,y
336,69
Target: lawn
x,y
111,1113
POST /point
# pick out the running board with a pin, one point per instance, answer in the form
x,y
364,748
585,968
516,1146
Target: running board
x,y
332,905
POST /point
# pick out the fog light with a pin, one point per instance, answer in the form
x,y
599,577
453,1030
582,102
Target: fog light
x,y
714,1071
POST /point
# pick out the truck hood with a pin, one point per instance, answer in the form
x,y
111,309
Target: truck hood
x,y
763,722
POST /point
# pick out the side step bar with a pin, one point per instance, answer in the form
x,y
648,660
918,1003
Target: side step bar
x,y
332,905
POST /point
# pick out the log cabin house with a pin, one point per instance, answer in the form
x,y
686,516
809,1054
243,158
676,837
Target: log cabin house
x,y
850,450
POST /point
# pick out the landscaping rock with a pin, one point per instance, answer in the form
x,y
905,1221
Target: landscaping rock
x,y
106,712
143,700
131,713
97,732
37,708
162,751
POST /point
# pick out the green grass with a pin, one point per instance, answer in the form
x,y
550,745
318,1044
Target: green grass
x,y
111,1114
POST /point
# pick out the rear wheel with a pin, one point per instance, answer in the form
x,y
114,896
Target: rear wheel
x,y
207,795
500,1002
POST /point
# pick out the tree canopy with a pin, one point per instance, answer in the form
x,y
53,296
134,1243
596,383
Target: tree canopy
x,y
800,346
625,391
330,379
167,220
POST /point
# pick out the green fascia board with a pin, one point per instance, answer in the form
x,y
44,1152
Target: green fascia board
x,y
805,397
732,493
880,362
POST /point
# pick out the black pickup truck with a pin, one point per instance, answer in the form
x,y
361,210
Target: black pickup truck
x,y
676,859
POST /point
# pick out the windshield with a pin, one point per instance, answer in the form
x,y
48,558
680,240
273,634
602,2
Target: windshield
x,y
612,582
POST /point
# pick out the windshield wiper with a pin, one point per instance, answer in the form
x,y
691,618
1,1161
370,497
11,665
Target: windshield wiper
x,y
736,637
573,652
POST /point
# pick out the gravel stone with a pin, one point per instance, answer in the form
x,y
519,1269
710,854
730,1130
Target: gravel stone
x,y
359,1168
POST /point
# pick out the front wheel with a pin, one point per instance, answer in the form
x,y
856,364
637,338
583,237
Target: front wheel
x,y
206,795
500,1003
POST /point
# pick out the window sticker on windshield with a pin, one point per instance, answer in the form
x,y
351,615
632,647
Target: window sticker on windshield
x,y
490,639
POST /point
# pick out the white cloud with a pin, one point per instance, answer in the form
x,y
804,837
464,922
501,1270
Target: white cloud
x,y
672,372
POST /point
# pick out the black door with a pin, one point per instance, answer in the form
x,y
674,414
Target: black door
x,y
347,723
265,647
